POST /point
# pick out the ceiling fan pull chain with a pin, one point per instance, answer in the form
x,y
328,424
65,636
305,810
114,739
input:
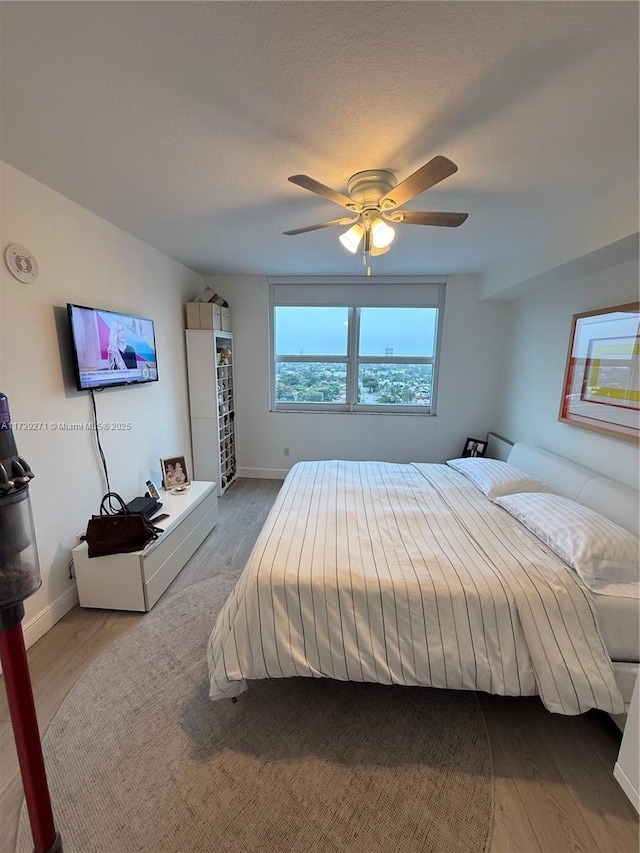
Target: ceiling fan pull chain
x,y
366,248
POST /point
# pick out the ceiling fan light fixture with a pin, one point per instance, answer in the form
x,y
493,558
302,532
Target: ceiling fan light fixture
x,y
374,196
381,233
376,252
352,238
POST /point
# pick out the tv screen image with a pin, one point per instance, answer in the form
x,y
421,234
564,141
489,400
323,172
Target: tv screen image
x,y
111,348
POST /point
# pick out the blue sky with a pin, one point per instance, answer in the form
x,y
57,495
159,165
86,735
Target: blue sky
x,y
323,331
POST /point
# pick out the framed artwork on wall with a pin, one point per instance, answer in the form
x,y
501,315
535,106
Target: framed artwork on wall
x,y
601,389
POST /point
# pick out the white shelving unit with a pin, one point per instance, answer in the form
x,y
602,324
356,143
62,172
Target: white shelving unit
x,y
212,405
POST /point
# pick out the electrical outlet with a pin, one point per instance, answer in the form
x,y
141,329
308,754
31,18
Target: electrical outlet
x,y
286,451
80,538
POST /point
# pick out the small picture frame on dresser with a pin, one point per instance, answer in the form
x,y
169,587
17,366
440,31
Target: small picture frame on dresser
x,y
175,473
474,447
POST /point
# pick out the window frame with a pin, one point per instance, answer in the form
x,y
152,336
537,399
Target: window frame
x,y
353,359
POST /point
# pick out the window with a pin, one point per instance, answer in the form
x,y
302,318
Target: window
x,y
355,357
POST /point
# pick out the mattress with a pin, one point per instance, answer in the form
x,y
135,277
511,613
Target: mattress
x,y
619,623
407,574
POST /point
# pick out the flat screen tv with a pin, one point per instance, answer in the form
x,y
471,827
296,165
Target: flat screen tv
x,y
110,348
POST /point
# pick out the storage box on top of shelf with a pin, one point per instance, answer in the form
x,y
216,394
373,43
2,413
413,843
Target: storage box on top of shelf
x,y
207,295
192,310
225,317
210,317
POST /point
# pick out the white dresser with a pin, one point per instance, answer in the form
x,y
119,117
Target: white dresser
x,y
135,581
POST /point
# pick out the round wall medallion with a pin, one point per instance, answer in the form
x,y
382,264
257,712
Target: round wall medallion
x,y
21,263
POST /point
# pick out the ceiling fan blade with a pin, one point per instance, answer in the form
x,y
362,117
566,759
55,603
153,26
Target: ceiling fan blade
x,y
421,217
347,221
314,186
431,173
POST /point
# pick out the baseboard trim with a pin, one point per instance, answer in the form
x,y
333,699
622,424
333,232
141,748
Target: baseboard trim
x,y
627,786
47,618
263,473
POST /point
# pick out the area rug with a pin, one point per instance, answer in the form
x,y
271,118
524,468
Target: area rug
x,y
141,761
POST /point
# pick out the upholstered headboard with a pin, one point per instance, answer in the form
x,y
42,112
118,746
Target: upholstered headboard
x,y
614,500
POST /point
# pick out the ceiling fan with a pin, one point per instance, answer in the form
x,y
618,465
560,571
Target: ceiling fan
x,y
375,196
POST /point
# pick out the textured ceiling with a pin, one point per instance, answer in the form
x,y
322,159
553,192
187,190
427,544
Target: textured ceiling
x,y
181,121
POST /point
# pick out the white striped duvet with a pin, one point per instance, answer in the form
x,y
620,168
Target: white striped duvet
x,y
407,574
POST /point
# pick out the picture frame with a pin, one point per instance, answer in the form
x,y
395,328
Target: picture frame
x,y
175,472
601,389
475,447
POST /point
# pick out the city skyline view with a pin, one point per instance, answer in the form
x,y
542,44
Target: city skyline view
x,y
314,333
398,332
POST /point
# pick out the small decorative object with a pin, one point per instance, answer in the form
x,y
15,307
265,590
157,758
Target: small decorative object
x,y
225,355
21,263
175,474
475,447
602,376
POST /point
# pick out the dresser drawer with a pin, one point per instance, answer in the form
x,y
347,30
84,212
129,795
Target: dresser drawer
x,y
157,554
172,566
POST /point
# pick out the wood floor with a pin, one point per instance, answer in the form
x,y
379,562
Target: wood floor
x,y
554,787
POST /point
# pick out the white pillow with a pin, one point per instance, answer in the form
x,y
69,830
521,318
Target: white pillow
x,y
496,478
600,551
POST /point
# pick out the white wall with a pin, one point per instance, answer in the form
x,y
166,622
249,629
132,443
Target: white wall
x,y
468,391
539,340
593,230
86,260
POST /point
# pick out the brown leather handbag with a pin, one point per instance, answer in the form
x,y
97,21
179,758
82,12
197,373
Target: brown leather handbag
x,y
118,531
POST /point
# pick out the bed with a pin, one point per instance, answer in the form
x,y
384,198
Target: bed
x,y
410,574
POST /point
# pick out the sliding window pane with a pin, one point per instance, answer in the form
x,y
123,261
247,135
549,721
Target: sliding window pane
x,y
404,332
395,384
311,331
311,382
